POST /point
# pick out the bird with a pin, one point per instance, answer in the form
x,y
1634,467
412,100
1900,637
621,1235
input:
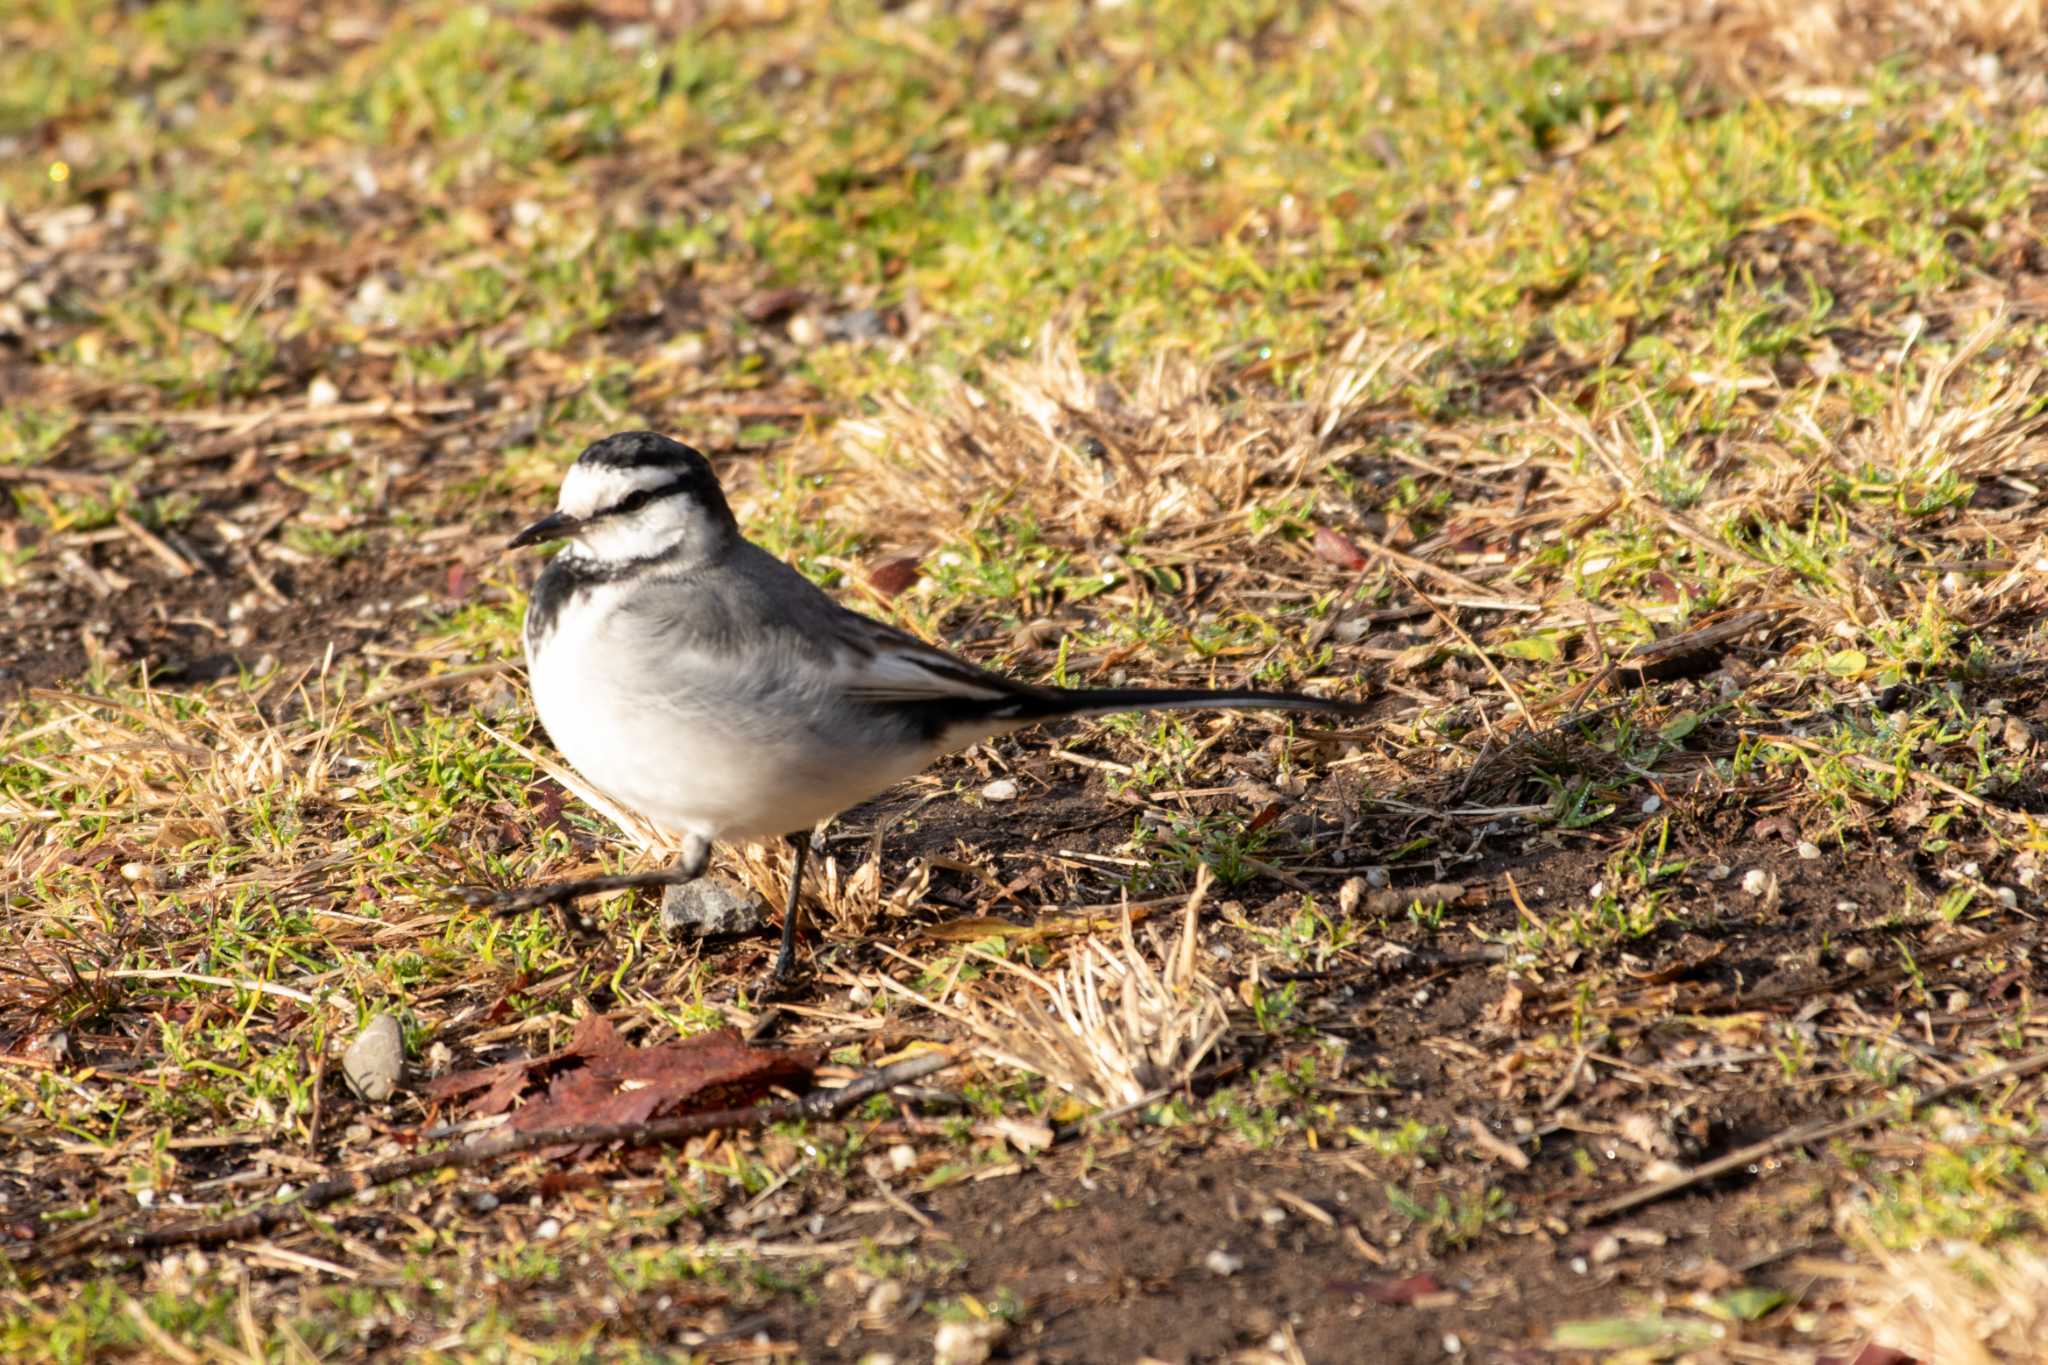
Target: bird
x,y
700,682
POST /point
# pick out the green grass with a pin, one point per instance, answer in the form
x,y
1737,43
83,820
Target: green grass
x,y
1109,317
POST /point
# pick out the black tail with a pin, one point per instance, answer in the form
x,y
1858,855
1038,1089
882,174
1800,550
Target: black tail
x,y
1051,702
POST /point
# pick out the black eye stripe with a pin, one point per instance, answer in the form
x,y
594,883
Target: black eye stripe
x,y
640,497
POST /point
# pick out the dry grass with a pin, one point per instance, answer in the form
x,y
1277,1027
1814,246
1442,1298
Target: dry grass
x,y
1108,1028
1650,431
1048,435
1787,46
1959,1306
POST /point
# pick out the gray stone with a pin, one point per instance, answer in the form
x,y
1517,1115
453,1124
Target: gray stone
x,y
711,906
374,1060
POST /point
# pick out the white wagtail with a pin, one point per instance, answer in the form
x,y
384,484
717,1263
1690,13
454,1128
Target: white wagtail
x,y
702,683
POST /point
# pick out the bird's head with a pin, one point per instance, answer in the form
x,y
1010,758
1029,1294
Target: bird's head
x,y
635,496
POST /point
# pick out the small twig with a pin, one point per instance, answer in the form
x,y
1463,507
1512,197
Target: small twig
x,y
258,1222
1450,622
1805,1133
155,544
240,421
240,983
1869,764
451,678
1395,560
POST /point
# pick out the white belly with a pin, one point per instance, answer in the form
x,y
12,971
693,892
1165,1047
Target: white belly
x,y
683,760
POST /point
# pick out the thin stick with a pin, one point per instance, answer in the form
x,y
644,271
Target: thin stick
x,y
240,983
1805,1133
1528,716
451,678
1869,764
258,1222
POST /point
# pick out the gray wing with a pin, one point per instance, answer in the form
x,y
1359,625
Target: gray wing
x,y
777,635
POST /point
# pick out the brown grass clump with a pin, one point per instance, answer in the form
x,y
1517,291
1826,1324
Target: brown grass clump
x,y
1166,451
1971,1308
1109,1028
1792,45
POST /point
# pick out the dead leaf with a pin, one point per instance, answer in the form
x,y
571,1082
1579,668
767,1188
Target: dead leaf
x,y
1411,1290
893,576
765,305
1774,825
1335,547
1912,812
600,1078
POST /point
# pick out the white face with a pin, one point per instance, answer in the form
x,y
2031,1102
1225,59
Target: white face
x,y
636,496
627,513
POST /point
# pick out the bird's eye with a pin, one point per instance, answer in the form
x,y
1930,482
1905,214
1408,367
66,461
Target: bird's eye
x,y
635,500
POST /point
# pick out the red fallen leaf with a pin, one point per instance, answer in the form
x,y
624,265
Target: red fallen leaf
x,y
1264,817
1774,825
1335,547
1391,1291
558,1181
765,305
600,1078
550,811
893,576
1873,1354
459,580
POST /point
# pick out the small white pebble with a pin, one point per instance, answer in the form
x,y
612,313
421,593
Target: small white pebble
x,y
1808,849
1719,872
1755,881
2008,897
1377,878
1453,1345
1221,1262
1972,871
902,1156
549,1229
1002,789
1652,804
967,1343
1846,907
322,393
1273,1216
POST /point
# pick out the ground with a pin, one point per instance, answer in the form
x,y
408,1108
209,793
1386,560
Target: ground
x,y
1639,407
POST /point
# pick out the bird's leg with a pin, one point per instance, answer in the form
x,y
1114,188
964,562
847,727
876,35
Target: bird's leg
x,y
696,856
799,853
